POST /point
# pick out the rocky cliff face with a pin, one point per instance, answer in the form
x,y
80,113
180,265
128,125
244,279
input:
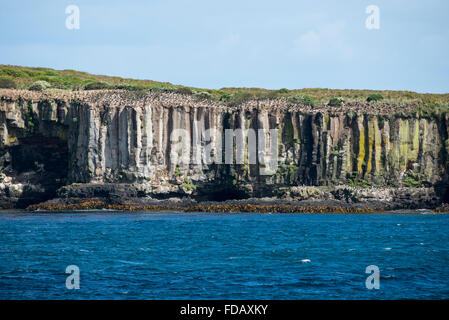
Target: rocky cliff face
x,y
51,142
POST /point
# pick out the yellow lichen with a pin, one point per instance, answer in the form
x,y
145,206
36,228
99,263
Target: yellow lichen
x,y
361,155
377,145
404,143
370,144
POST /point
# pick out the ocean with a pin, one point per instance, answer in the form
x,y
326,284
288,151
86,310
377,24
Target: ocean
x,y
223,256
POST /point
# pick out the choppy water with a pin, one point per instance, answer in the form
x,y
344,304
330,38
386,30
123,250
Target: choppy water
x,y
223,256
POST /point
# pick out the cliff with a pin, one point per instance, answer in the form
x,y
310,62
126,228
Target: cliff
x,y
118,144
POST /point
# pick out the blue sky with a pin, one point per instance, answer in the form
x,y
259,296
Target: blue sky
x,y
213,44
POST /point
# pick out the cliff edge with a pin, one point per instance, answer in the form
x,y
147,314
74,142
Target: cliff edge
x,y
146,147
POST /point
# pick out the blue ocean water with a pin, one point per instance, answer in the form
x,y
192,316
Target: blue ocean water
x,y
223,256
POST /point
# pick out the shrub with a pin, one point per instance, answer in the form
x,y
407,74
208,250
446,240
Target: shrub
x,y
268,95
163,88
127,86
184,90
336,102
202,94
16,73
375,97
39,85
7,83
283,90
224,97
98,85
240,97
302,99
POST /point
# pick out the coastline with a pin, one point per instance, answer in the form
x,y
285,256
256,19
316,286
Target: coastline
x,y
109,149
226,207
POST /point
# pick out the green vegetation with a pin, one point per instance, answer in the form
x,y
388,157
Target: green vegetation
x,y
97,85
23,77
39,85
184,90
302,99
374,97
287,170
413,179
7,83
359,183
239,97
178,172
224,97
202,94
430,107
336,102
188,185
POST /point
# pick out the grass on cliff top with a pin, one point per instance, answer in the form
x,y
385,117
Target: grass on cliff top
x,y
24,78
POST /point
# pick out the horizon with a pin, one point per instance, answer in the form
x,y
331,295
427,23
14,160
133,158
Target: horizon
x,y
252,45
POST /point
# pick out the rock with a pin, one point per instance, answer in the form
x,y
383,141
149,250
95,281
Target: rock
x,y
119,146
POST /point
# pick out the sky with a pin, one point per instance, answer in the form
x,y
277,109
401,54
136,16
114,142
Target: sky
x,y
236,43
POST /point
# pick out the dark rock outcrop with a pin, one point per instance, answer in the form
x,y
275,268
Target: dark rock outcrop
x,y
118,145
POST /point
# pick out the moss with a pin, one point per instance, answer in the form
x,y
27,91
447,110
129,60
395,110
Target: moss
x,y
413,179
188,185
178,172
287,171
359,183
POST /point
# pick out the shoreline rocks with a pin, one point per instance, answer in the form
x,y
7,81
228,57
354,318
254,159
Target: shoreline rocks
x,y
116,196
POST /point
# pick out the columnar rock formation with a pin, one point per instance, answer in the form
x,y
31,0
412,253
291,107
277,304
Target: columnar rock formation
x,y
50,140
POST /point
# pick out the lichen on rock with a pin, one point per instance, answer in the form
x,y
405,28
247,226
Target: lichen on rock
x,y
109,138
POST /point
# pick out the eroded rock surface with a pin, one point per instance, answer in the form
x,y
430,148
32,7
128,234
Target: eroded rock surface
x,y
117,144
